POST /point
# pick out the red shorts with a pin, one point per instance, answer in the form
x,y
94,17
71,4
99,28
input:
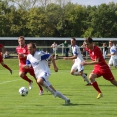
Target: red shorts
x,y
30,70
1,58
106,73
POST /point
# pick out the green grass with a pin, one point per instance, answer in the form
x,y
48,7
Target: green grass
x,y
83,98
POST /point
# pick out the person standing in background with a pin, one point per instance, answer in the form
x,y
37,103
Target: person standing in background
x,y
84,51
105,49
66,48
54,47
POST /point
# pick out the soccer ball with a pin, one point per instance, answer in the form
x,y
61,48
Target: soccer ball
x,y
23,91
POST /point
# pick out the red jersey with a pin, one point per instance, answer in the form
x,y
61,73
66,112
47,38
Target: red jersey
x,y
101,68
24,51
96,53
1,46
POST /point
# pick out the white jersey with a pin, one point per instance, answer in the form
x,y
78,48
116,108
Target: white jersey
x,y
113,58
76,51
39,63
113,50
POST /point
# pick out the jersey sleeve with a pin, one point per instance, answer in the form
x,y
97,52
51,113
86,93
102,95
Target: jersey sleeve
x,y
28,63
45,57
113,50
75,51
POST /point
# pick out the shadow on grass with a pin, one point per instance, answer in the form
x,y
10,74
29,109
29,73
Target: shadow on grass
x,y
106,85
71,104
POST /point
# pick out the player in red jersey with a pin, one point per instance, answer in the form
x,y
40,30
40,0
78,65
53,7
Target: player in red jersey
x,y
22,52
1,58
100,66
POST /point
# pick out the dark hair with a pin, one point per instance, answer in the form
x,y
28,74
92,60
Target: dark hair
x,y
89,39
33,45
73,38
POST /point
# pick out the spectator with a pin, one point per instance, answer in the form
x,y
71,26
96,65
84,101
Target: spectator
x,y
65,44
84,50
54,47
104,50
6,54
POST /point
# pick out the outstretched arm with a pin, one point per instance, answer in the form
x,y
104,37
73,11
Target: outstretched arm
x,y
54,64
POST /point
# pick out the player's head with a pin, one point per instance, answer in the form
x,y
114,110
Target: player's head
x,y
31,48
89,42
111,43
21,41
73,41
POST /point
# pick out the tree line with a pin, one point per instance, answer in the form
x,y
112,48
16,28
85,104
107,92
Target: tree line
x,y
57,19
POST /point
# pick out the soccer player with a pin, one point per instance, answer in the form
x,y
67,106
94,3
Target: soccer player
x,y
113,54
22,52
100,66
38,60
77,68
1,58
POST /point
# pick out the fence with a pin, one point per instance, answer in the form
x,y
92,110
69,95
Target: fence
x,y
60,52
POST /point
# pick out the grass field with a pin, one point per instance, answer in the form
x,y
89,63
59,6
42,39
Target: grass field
x,y
83,98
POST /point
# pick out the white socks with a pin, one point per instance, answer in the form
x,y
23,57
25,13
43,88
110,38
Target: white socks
x,y
85,78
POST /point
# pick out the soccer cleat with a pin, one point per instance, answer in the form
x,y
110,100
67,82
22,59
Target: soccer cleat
x,y
89,84
11,72
30,85
41,92
100,95
67,101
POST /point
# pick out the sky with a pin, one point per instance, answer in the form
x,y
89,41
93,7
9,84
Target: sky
x,y
92,2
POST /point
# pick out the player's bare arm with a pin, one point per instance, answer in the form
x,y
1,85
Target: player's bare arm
x,y
72,57
54,64
90,63
26,66
22,55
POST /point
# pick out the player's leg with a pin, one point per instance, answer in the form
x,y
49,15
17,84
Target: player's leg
x,y
84,75
55,92
80,69
5,66
115,61
77,70
109,76
43,81
74,70
110,63
31,71
92,77
22,74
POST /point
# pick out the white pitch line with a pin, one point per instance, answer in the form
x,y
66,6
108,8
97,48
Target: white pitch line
x,y
9,81
20,79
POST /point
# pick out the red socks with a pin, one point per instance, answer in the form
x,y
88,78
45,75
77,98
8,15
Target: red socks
x,y
95,85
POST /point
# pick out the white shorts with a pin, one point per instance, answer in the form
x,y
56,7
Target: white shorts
x,y
45,76
77,66
113,61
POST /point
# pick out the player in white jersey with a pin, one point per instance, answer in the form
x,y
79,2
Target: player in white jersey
x,y
113,58
77,68
38,60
